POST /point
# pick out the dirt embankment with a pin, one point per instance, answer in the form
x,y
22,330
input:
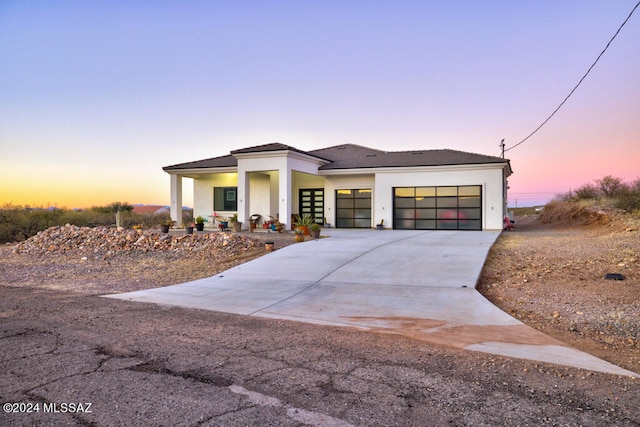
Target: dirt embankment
x,y
550,273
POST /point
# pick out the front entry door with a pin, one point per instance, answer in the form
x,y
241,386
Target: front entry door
x,y
312,203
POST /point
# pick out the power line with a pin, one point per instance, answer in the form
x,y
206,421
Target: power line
x,y
576,86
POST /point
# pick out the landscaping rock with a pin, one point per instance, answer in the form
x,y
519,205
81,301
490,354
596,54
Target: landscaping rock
x,y
102,241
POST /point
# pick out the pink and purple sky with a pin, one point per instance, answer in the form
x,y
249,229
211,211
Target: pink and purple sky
x,y
95,97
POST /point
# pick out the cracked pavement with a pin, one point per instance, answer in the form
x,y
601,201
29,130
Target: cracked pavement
x,y
143,364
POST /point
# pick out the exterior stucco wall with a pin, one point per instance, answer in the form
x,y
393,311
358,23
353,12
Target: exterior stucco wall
x,y
274,183
491,180
304,180
259,189
203,193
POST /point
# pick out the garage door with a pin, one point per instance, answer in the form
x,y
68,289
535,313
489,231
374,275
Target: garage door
x,y
353,208
438,208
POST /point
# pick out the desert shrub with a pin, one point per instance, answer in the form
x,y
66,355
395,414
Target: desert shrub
x,y
610,186
587,192
609,191
18,223
628,197
113,207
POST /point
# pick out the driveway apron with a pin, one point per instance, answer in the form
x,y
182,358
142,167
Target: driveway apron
x,y
420,284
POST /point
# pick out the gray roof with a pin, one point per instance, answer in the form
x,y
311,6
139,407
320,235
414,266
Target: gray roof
x,y
368,158
352,156
215,162
275,146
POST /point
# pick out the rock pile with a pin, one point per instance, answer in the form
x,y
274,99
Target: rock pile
x,y
103,241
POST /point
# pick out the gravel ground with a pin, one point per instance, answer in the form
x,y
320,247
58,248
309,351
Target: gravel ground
x,y
551,277
153,365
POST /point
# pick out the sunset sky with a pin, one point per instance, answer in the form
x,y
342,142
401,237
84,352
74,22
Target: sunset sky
x,y
97,96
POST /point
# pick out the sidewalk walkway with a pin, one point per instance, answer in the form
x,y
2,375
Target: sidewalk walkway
x,y
419,284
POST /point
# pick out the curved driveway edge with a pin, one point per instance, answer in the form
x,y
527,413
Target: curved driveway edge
x,y
419,284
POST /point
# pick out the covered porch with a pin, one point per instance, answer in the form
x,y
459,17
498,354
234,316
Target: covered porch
x,y
265,185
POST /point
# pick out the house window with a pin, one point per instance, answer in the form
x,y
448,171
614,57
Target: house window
x,y
225,199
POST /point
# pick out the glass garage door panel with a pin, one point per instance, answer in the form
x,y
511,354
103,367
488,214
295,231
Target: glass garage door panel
x,y
438,208
353,208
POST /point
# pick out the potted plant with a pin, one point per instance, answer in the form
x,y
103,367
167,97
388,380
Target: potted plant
x,y
200,223
381,225
299,235
166,225
315,231
303,223
189,227
269,245
235,224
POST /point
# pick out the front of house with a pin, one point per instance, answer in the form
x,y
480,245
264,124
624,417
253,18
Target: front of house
x,y
349,186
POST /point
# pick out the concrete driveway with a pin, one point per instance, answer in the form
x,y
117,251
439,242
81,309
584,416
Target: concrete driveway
x,y
420,284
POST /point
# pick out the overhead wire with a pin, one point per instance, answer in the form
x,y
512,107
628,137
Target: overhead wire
x,y
579,82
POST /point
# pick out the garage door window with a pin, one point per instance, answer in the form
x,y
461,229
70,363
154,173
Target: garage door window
x,y
438,208
353,208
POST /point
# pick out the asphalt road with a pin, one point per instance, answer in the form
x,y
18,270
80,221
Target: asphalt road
x,y
86,360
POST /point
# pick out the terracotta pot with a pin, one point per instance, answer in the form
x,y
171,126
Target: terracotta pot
x,y
269,246
299,238
305,229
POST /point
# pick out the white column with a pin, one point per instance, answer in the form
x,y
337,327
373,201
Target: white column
x,y
284,196
244,194
176,199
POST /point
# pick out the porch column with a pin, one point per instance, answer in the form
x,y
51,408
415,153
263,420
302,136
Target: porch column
x,y
176,199
244,205
284,196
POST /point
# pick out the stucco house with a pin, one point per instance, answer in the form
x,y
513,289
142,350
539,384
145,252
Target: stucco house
x,y
349,186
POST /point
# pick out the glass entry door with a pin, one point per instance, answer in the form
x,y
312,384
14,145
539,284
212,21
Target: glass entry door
x,y
312,202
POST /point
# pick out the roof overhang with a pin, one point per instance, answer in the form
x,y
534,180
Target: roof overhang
x,y
196,172
282,153
409,169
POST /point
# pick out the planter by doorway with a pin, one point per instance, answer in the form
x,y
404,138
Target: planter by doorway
x,y
269,246
200,227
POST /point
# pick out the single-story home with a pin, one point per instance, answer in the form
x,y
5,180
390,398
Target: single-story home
x,y
349,186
